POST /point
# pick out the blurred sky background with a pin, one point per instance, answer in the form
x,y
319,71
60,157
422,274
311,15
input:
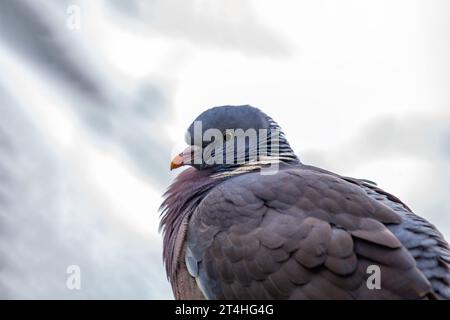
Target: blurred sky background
x,y
89,118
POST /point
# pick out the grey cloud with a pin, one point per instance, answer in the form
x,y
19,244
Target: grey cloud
x,y
224,24
131,121
417,135
25,29
49,216
50,220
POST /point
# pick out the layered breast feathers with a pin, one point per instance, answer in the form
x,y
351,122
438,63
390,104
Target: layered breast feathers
x,y
304,234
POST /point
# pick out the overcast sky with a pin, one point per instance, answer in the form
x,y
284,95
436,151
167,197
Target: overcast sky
x,y
90,117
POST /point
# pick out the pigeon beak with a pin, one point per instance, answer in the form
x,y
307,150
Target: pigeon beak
x,y
185,158
177,162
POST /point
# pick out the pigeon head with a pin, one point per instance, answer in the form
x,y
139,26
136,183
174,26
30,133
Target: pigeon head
x,y
229,117
227,137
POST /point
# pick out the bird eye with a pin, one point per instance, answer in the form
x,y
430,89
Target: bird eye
x,y
228,136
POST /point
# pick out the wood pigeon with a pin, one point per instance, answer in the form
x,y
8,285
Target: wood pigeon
x,y
235,230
